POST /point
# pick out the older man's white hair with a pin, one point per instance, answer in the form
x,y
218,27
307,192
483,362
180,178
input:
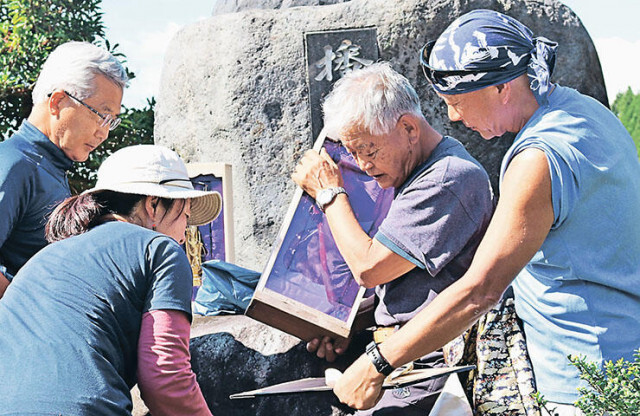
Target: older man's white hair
x,y
73,67
369,100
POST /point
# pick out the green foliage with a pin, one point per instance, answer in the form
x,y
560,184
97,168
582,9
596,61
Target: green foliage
x,y
29,31
614,391
544,403
627,107
136,128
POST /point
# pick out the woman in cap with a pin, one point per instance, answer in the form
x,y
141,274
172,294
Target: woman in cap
x,y
109,303
565,230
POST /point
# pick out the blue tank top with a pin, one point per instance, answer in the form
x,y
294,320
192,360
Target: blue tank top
x,y
580,293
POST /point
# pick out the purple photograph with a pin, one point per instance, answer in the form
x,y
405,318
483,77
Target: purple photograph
x,y
212,234
309,267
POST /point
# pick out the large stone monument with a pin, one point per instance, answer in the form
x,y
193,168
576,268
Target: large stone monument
x,y
235,89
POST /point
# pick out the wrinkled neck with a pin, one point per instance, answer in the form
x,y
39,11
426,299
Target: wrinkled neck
x,y
429,140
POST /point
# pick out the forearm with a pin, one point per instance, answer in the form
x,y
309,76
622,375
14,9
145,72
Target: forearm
x,y
496,263
370,262
167,384
447,316
361,385
354,244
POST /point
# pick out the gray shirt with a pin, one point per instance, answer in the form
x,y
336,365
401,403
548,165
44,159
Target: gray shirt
x,y
436,221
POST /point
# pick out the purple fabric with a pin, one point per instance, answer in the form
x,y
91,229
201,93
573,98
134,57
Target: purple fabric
x,y
166,380
309,267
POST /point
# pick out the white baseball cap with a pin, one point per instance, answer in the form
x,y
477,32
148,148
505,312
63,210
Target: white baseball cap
x,y
153,170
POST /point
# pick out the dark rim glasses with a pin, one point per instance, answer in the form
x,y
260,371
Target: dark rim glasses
x,y
107,119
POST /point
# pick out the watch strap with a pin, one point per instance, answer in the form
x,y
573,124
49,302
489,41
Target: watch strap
x,y
379,362
335,191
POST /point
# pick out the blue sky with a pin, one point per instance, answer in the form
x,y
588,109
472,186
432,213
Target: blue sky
x,y
143,28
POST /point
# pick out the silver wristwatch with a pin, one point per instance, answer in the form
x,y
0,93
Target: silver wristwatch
x,y
326,196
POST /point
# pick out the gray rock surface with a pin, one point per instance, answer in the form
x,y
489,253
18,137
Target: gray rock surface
x,y
237,354
233,6
234,90
233,354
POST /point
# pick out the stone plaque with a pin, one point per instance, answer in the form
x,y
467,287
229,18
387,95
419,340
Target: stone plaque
x,y
330,55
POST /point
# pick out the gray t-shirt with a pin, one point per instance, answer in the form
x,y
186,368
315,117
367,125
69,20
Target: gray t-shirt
x,y
436,221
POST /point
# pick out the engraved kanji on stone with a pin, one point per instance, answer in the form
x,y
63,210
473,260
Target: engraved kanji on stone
x,y
325,63
345,59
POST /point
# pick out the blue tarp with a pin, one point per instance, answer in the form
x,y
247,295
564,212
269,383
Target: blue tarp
x,y
226,288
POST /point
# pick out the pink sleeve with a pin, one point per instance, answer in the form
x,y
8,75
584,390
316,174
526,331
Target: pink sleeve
x,y
167,384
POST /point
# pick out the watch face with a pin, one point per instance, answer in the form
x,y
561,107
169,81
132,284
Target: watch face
x,y
324,196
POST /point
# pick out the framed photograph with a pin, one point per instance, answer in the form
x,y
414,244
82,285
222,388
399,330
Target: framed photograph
x,y
307,289
213,241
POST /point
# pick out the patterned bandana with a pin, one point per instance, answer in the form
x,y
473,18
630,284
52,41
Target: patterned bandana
x,y
484,48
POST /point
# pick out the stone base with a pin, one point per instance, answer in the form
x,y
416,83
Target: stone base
x,y
232,354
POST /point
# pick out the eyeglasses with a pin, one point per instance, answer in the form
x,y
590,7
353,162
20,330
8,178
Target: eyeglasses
x,y
435,76
107,119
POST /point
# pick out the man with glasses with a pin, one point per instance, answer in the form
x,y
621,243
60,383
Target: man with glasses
x,y
76,100
441,207
565,233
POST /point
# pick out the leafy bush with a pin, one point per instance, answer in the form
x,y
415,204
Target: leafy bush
x,y
627,107
614,391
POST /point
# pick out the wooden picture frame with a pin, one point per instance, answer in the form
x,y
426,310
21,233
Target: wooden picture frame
x,y
213,241
306,288
221,172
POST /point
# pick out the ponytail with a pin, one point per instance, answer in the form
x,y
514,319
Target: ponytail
x,y
80,213
72,217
